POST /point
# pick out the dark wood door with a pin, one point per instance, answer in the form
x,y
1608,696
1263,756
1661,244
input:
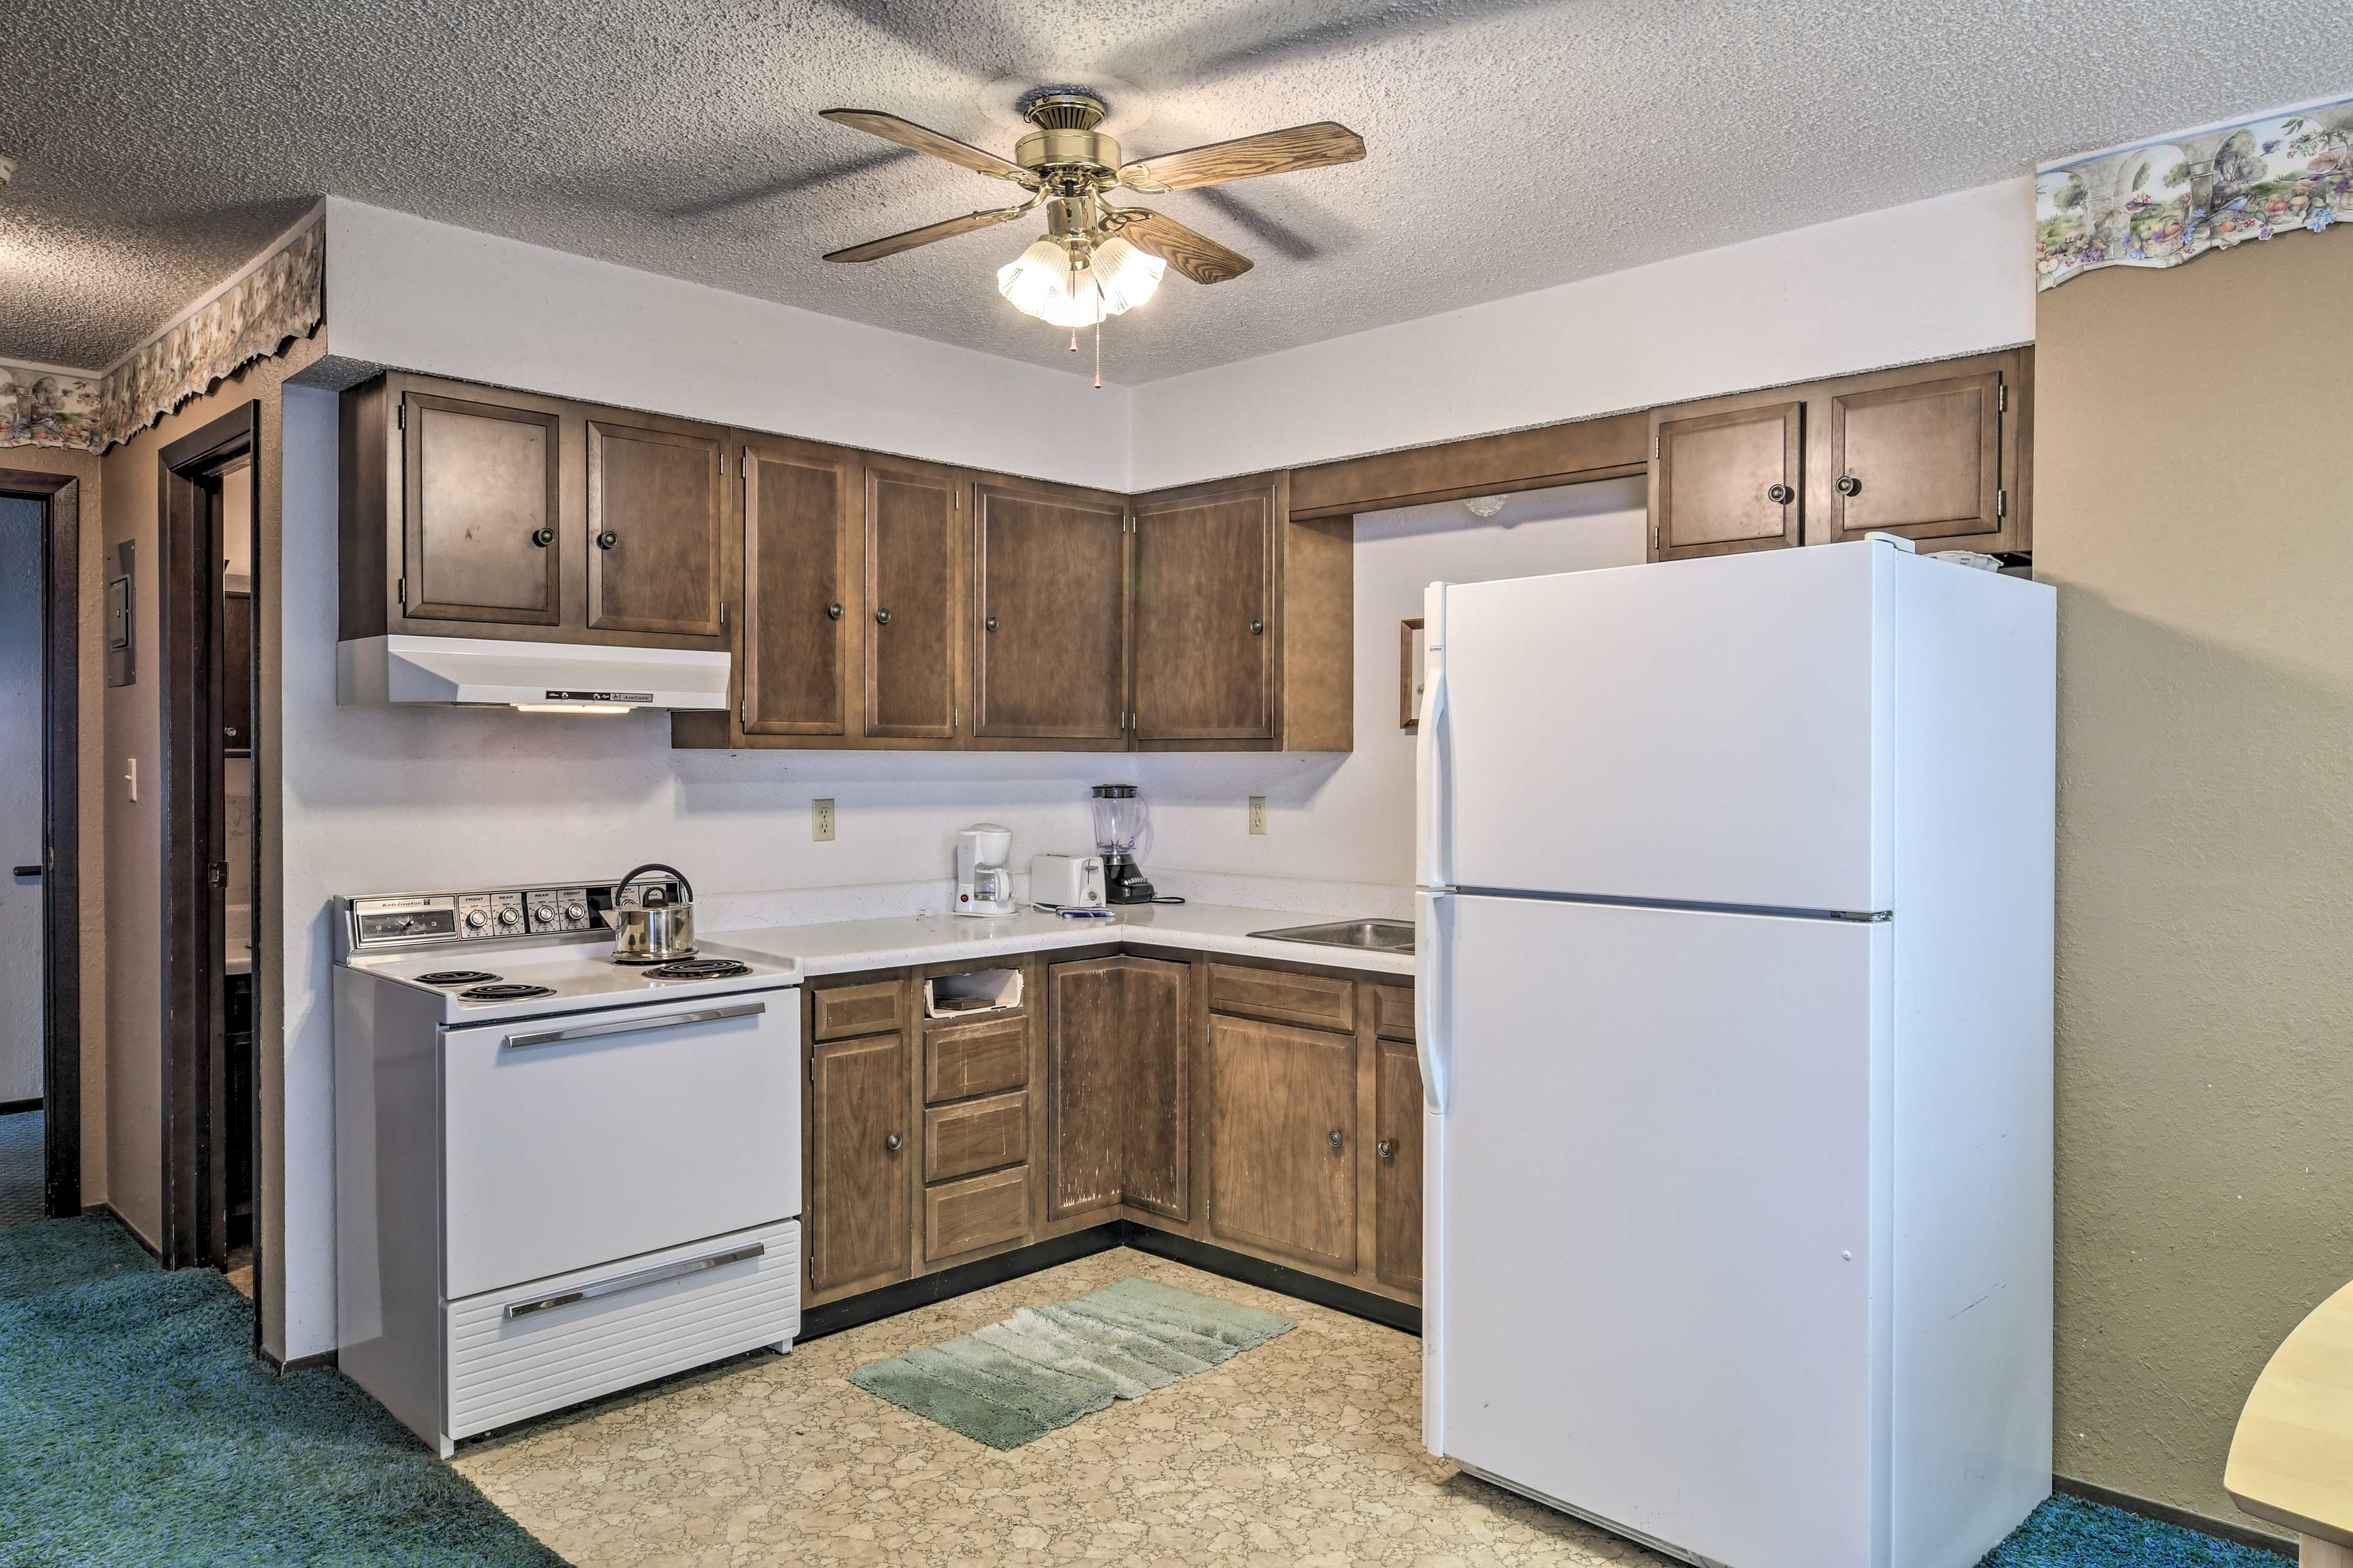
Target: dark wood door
x,y
861,1151
1049,612
1282,1140
801,540
482,526
1205,639
1727,482
653,530
1087,1087
1922,459
237,675
1396,1168
1156,1005
911,512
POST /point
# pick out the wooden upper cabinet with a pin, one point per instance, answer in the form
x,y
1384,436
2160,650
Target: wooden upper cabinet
x,y
1920,458
1727,481
1204,613
861,1148
1050,613
1282,1140
912,569
653,529
802,542
481,519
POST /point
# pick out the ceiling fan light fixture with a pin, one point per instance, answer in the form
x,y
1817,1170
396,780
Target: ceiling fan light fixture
x,y
1034,278
1127,275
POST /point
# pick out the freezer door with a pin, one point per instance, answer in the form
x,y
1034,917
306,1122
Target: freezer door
x,y
1691,732
1659,1224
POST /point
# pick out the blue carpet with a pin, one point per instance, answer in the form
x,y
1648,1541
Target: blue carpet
x,y
2069,1533
136,1427
21,1153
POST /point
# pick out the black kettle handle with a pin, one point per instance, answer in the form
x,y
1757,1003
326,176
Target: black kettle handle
x,y
676,875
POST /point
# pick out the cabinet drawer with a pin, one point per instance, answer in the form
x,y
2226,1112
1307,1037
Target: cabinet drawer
x,y
722,1300
1392,1012
1318,1001
981,1212
848,1010
975,1058
979,1135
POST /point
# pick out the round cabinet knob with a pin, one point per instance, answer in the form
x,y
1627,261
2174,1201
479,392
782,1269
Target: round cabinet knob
x,y
1258,628
1336,1139
992,623
1780,495
892,1143
507,917
881,617
474,922
544,537
833,612
1849,485
607,539
1386,1148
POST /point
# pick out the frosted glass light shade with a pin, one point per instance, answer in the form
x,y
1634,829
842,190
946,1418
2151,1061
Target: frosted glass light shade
x,y
1033,278
1040,282
1127,275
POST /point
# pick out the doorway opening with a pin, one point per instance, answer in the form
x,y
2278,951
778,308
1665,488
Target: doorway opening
x,y
210,498
40,834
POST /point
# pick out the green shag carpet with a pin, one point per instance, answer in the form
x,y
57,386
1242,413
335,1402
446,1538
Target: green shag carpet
x,y
1044,1367
136,1428
2069,1533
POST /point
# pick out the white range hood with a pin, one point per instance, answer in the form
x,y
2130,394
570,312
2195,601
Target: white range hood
x,y
551,676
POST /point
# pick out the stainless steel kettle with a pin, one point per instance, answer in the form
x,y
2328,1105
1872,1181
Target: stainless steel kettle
x,y
653,933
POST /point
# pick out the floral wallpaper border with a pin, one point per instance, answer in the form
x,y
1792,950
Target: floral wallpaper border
x,y
2163,202
281,300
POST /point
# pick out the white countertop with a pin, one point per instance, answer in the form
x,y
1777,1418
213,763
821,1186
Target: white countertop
x,y
838,947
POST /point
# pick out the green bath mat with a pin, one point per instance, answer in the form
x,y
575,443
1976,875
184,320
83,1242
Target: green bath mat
x,y
1044,1367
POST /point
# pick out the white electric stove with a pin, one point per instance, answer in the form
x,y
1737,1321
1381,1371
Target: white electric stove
x,y
558,1175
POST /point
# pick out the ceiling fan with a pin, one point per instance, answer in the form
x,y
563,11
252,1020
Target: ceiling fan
x,y
1096,258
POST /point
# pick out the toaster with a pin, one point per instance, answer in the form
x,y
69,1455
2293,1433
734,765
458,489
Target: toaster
x,y
1067,881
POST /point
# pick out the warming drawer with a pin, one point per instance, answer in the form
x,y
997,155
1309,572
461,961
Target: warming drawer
x,y
573,1140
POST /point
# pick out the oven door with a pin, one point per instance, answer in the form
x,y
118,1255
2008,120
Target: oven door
x,y
585,1139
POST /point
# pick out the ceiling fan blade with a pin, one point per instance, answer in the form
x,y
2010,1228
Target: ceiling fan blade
x,y
1197,256
907,134
876,250
1312,146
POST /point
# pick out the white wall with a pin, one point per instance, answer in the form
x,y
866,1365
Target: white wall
x,y
1948,276
1350,819
416,295
21,929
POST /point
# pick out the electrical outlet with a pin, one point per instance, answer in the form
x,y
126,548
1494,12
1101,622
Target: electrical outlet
x,y
821,821
1257,815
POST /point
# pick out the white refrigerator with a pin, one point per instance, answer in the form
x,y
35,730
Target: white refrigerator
x,y
1734,992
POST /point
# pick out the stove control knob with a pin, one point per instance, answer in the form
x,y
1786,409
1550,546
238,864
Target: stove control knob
x,y
507,919
474,920
575,914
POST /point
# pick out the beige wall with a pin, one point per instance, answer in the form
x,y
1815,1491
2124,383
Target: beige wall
x,y
2191,507
92,673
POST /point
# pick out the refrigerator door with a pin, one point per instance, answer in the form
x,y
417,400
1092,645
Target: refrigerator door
x,y
1661,1207
1705,731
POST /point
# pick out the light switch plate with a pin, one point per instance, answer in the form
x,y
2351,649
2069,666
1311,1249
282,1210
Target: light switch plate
x,y
821,821
1257,815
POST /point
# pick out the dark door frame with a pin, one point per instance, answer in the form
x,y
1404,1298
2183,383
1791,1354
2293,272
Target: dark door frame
x,y
189,643
60,499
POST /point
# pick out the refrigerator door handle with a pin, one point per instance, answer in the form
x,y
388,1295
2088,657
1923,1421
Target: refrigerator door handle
x,y
1433,938
1433,865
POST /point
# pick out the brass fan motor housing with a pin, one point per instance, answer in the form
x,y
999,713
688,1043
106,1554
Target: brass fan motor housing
x,y
1060,151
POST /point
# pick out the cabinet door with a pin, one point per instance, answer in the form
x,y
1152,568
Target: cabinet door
x,y
1282,1140
1086,1086
858,1211
653,530
1922,459
237,675
1050,603
1156,1008
1727,482
801,540
1204,643
911,572
481,525
1397,1169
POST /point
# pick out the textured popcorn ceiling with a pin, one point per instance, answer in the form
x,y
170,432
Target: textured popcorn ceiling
x,y
1513,145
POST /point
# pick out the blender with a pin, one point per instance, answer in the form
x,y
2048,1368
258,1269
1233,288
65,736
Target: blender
x,y
1119,823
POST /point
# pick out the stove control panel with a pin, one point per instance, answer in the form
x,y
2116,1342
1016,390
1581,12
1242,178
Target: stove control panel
x,y
396,922
556,909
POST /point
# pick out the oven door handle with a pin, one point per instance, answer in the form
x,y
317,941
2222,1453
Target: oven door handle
x,y
636,1026
638,1282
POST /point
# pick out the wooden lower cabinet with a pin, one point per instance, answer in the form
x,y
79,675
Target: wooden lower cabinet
x,y
859,1159
1118,1118
1396,1170
1282,1140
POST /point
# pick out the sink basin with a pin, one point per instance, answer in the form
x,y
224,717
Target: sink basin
x,y
1369,936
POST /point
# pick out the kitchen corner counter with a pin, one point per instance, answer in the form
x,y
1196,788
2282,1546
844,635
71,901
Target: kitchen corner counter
x,y
839,947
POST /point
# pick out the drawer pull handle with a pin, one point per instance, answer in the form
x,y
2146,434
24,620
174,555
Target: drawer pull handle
x,y
638,1282
1386,1148
636,1025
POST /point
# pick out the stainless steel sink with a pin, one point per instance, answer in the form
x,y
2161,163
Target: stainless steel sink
x,y
1369,936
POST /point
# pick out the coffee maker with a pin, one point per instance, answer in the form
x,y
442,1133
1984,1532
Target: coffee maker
x,y
1119,823
984,882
